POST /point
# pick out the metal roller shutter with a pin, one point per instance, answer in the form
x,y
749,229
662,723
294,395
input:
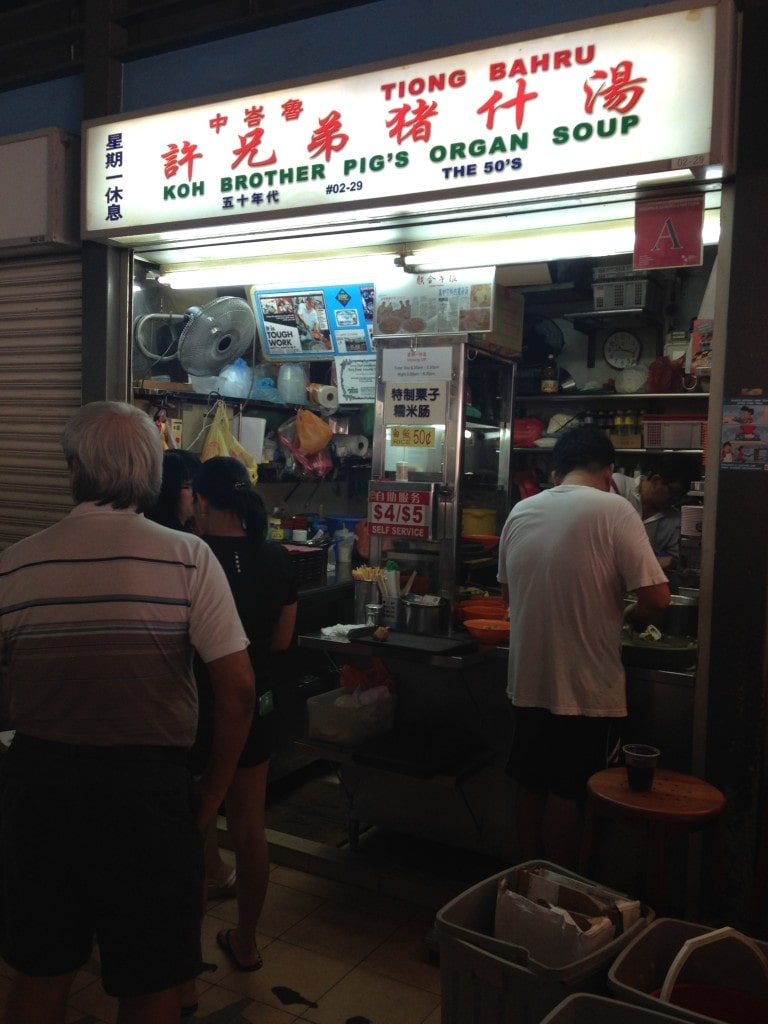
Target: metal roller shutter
x,y
40,388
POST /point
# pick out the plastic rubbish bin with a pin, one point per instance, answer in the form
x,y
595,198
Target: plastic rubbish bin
x,y
489,981
725,979
583,1008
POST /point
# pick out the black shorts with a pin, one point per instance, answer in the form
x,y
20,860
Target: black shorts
x,y
558,753
258,746
100,845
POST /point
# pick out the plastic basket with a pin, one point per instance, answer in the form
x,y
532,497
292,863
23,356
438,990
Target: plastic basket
x,y
309,564
720,973
485,980
674,432
583,1008
640,293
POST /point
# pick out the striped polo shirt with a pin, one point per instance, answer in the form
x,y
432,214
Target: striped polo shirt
x,y
99,615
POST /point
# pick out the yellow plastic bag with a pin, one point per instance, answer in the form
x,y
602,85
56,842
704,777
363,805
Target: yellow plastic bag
x,y
313,433
221,441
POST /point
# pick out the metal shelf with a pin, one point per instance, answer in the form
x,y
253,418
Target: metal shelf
x,y
632,451
613,396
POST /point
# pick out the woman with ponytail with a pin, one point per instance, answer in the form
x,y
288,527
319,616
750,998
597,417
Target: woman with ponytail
x,y
232,519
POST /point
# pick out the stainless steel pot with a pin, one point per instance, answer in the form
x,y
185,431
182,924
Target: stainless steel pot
x,y
429,619
681,618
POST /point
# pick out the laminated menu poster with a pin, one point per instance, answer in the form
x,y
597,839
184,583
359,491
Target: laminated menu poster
x,y
701,348
478,303
314,323
744,438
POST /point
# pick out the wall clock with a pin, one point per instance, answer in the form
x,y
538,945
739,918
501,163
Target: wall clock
x,y
621,349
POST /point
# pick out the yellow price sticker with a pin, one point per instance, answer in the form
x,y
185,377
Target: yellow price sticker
x,y
413,437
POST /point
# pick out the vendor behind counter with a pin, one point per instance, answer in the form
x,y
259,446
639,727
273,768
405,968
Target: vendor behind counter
x,y
656,494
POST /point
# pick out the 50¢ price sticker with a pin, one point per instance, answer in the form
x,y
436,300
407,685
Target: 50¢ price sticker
x,y
413,437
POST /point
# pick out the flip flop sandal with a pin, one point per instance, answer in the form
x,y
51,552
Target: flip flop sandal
x,y
224,941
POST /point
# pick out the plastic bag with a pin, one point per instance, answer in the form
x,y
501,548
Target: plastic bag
x,y
665,375
526,430
317,465
221,441
313,432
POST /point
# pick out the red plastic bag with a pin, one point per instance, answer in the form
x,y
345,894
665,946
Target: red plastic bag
x,y
526,430
665,375
366,679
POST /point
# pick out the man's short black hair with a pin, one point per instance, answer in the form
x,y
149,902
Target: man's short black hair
x,y
673,467
582,448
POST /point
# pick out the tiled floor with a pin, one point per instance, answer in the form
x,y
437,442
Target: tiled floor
x,y
334,953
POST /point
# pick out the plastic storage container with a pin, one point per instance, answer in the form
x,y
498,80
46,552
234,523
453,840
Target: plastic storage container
x,y
677,432
641,969
478,520
341,521
582,1008
292,383
488,981
347,726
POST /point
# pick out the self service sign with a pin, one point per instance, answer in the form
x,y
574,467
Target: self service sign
x,y
398,509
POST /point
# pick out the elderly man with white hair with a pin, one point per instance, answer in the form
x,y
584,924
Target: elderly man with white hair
x,y
101,826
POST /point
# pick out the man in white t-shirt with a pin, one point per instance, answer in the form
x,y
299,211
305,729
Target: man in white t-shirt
x,y
567,557
309,319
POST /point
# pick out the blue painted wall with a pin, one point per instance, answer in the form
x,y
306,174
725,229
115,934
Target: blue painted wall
x,y
381,31
56,104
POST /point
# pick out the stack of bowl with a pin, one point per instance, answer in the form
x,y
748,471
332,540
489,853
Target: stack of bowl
x,y
483,608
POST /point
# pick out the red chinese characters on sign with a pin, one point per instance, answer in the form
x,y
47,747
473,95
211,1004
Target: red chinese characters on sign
x,y
175,158
492,105
417,126
399,513
619,91
328,137
292,110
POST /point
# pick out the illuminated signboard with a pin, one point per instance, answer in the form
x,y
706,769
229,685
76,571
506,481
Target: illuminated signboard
x,y
601,98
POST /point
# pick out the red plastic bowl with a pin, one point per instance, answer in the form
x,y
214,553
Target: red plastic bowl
x,y
488,631
479,610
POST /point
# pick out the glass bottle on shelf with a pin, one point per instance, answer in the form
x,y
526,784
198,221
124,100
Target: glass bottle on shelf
x,y
550,377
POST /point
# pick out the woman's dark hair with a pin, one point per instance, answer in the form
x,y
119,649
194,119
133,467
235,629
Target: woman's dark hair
x,y
180,468
225,483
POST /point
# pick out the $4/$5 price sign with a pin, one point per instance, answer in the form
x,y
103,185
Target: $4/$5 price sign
x,y
399,513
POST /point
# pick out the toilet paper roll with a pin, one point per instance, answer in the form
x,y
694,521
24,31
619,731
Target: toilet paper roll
x,y
351,444
324,395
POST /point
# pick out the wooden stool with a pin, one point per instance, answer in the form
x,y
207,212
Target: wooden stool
x,y
676,804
